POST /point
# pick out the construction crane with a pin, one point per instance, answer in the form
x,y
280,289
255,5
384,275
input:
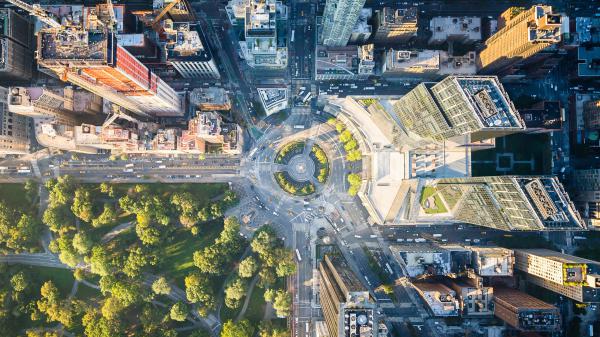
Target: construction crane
x,y
38,12
117,113
162,13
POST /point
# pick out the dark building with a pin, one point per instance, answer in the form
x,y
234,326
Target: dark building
x,y
525,312
543,117
347,306
16,57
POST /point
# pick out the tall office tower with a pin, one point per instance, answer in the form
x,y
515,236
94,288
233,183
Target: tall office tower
x,y
525,312
187,51
347,307
58,105
339,19
458,105
14,129
93,60
260,25
16,57
521,34
568,275
395,26
510,203
585,191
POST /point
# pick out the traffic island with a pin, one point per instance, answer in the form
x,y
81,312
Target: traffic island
x,y
293,187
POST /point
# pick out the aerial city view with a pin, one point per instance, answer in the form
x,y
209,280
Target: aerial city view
x,y
299,168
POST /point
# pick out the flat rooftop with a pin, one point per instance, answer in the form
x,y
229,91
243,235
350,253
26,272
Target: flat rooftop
x,y
550,202
490,101
589,61
447,27
337,60
73,45
400,15
348,277
412,61
493,261
186,43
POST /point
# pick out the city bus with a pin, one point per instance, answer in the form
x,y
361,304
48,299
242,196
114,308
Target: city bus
x,y
298,255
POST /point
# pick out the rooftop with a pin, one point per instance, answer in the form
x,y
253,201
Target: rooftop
x,y
186,42
444,28
547,115
400,15
260,18
550,202
362,25
337,60
412,61
423,259
490,101
346,275
440,299
72,44
587,29
493,261
589,61
212,96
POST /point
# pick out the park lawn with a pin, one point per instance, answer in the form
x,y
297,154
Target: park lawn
x,y
14,196
427,192
202,192
177,256
62,278
256,306
86,293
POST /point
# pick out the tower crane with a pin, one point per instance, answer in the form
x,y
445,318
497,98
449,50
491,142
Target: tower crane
x,y
155,23
37,11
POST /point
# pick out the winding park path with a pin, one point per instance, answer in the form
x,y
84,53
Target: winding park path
x,y
247,300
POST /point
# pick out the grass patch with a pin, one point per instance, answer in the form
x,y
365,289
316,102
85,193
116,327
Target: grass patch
x,y
87,294
288,151
177,259
62,278
293,187
256,306
13,195
438,206
202,192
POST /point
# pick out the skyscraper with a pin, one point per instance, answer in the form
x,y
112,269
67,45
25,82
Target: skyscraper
x,y
339,19
586,195
525,312
395,25
510,203
458,105
14,129
521,34
347,306
93,60
16,56
568,275
260,26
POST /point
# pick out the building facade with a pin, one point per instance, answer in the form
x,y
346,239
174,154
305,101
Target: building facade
x,y
339,19
553,266
585,190
16,56
94,61
395,25
510,203
261,47
459,105
525,312
14,129
347,307
521,34
188,52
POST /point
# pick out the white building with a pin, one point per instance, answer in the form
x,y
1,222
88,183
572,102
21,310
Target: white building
x,y
188,52
460,29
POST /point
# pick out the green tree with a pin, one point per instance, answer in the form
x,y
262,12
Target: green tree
x,y
340,127
216,210
161,286
31,190
19,281
354,155
82,242
136,261
350,145
266,277
107,189
59,219
61,190
247,267
112,308
269,295
230,197
107,217
286,265
98,326
282,303
234,292
210,260
345,136
179,312
148,234
240,329
199,290
23,236
83,205
100,262
204,214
